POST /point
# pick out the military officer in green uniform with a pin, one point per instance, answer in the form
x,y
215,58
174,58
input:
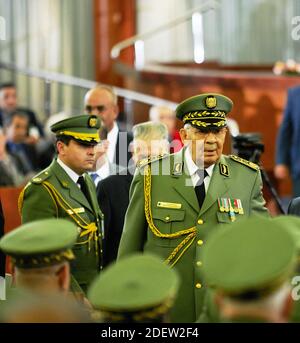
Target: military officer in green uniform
x,y
40,253
139,288
249,266
172,211
65,190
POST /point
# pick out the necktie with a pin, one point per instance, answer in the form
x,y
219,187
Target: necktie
x,y
94,177
200,188
83,187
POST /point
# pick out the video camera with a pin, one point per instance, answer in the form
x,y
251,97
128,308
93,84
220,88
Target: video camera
x,y
249,146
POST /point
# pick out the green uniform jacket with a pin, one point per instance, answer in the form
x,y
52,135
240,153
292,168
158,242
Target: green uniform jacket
x,y
52,193
178,228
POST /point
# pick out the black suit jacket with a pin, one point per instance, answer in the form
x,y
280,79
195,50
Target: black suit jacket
x,y
122,155
113,199
2,256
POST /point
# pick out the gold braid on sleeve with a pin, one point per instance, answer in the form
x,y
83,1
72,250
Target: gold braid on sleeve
x,y
189,233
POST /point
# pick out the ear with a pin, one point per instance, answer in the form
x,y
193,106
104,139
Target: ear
x,y
183,134
64,277
60,146
116,110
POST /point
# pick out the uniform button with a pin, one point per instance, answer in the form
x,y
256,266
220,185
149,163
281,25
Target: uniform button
x,y
200,242
200,221
199,263
198,285
167,218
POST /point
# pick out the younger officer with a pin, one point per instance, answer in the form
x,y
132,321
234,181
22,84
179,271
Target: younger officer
x,y
172,211
40,254
139,288
249,266
64,190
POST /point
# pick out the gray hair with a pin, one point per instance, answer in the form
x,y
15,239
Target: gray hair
x,y
149,131
155,110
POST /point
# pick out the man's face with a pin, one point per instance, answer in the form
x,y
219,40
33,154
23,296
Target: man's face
x,y
144,149
17,130
100,102
78,157
168,118
206,147
8,99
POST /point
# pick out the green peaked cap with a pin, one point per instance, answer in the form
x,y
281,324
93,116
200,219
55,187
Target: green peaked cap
x,y
40,243
252,256
134,284
83,128
205,111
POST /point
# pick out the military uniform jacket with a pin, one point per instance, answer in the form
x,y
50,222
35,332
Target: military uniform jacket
x,y
52,193
164,218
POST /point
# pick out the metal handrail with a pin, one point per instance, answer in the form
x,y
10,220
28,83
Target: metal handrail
x,y
48,77
207,6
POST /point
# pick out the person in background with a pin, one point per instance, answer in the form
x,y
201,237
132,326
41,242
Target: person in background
x,y
102,101
9,104
288,142
166,115
149,140
11,167
16,129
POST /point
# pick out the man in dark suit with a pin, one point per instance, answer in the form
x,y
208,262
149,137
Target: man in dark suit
x,y
9,104
288,142
16,129
102,101
150,139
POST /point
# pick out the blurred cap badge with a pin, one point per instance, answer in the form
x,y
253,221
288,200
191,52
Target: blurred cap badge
x,y
210,101
92,122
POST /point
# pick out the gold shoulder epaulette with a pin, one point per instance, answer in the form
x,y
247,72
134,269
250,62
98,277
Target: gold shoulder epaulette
x,y
151,159
40,177
245,162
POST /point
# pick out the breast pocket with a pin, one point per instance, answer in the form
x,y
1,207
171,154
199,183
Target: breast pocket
x,y
168,221
224,218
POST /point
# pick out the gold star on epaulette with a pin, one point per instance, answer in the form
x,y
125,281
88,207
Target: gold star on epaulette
x,y
245,162
148,160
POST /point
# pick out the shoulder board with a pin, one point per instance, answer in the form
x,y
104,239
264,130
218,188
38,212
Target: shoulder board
x,y
245,162
40,177
149,160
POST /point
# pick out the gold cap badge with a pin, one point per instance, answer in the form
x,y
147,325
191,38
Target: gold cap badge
x,y
92,122
210,101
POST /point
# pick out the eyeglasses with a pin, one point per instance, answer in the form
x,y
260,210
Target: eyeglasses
x,y
99,108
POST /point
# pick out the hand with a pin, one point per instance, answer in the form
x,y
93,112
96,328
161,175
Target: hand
x,y
31,140
281,172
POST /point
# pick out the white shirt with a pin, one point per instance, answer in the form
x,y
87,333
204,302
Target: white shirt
x,y
74,176
112,138
192,169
